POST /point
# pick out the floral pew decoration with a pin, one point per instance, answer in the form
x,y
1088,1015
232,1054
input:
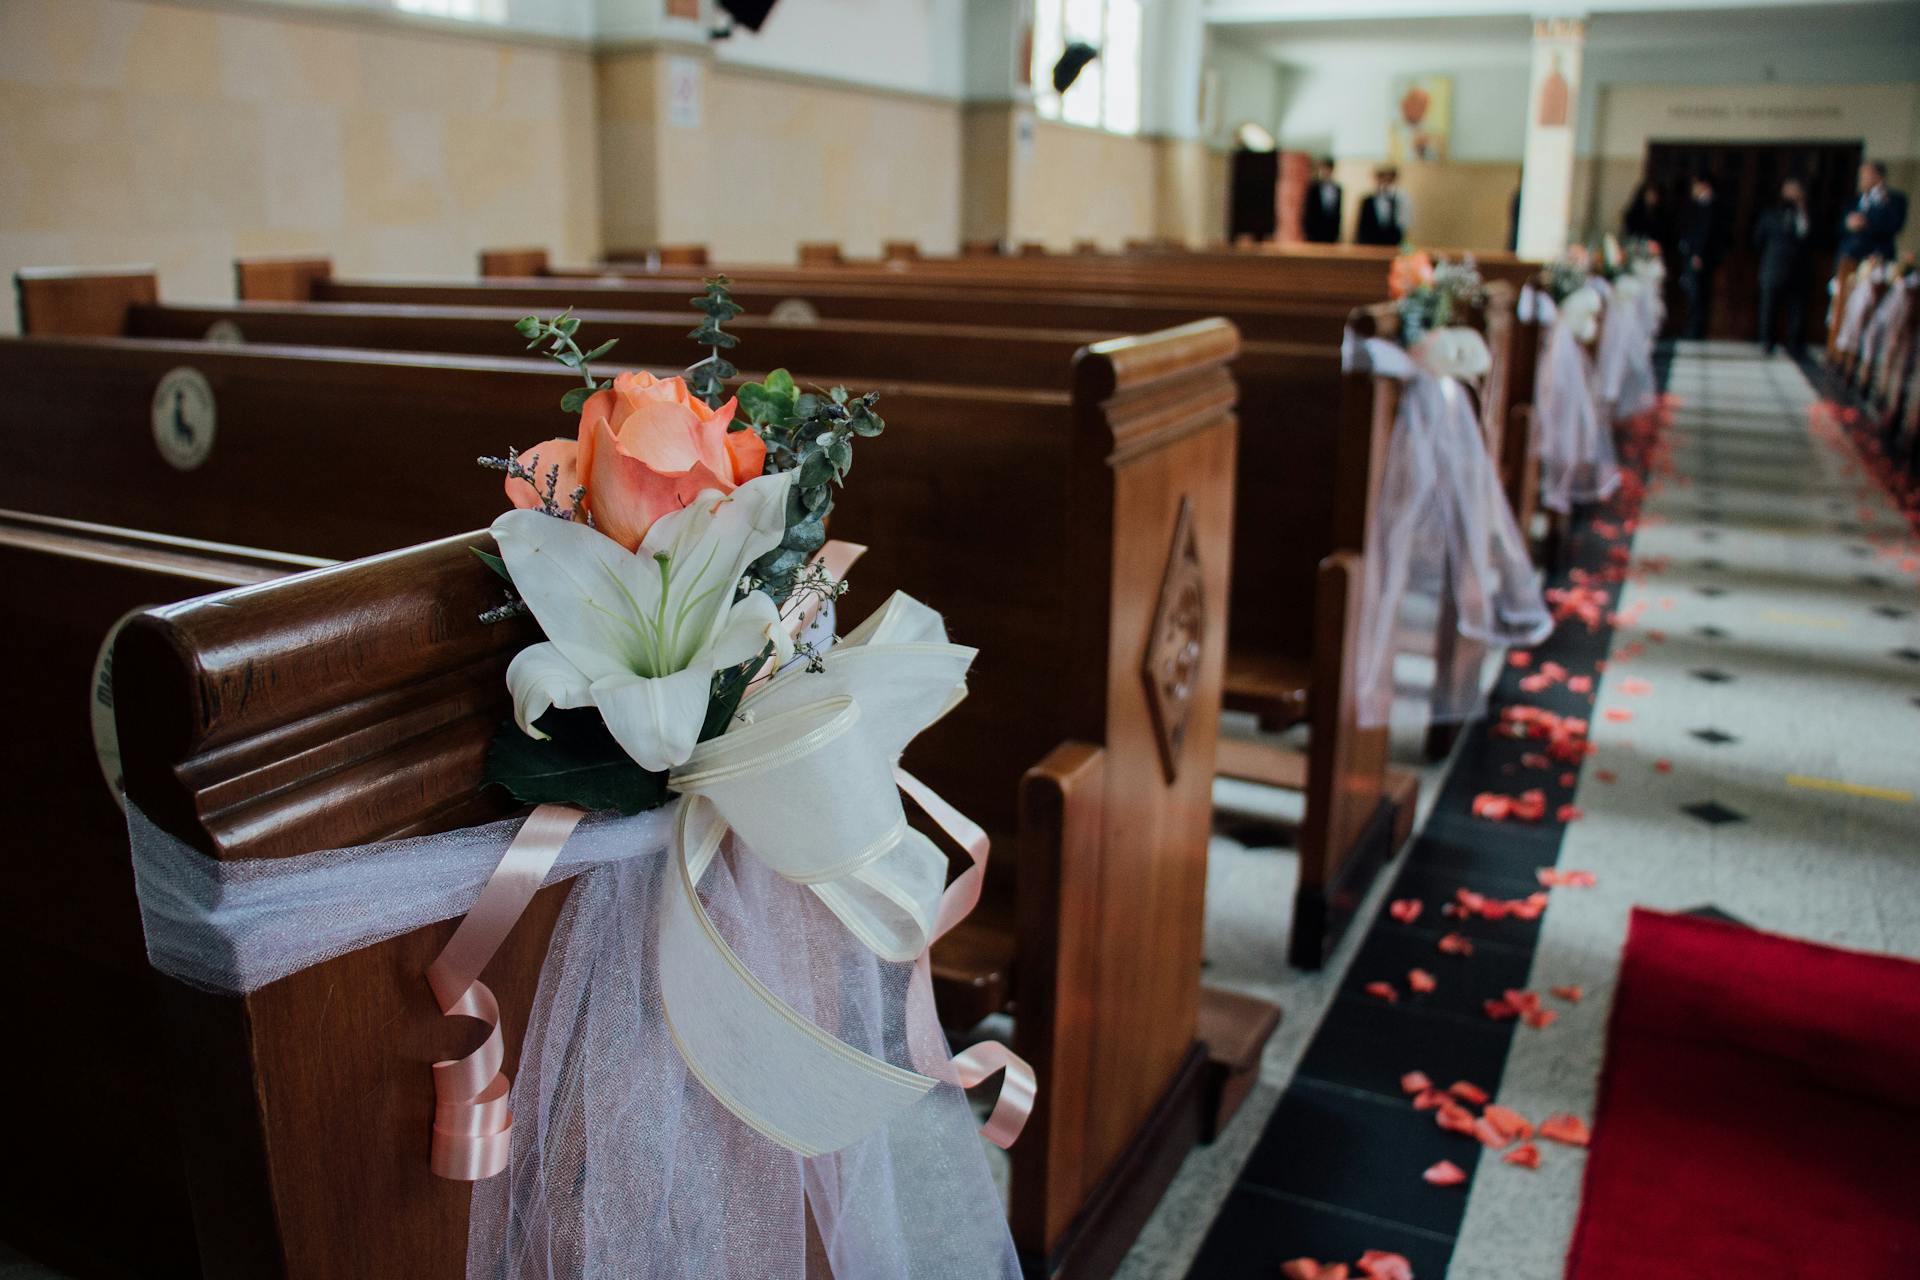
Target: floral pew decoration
x,y
1883,325
1633,276
1441,525
1574,437
1855,310
734,1041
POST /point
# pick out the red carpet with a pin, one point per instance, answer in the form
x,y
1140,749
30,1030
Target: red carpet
x,y
1759,1114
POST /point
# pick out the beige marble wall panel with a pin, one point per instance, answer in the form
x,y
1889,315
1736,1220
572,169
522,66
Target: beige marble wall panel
x,y
184,136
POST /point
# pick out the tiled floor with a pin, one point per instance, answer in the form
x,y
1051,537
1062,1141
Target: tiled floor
x,y
1763,762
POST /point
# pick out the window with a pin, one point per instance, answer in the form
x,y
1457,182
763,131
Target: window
x,y
469,10
1107,93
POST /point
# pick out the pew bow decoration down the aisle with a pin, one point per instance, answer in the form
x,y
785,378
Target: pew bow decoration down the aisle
x,y
1441,524
734,1035
1577,459
1857,306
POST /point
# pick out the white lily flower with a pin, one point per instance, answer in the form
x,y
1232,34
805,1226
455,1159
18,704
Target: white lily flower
x,y
1581,312
639,635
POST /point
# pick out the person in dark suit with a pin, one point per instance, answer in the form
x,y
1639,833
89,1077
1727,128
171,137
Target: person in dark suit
x,y
1700,237
1320,215
1876,217
1645,217
1783,235
1386,217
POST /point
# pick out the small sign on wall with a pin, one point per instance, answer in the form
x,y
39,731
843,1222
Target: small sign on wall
x,y
684,88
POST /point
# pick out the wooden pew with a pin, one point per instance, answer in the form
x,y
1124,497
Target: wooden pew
x,y
93,1117
1303,482
1148,424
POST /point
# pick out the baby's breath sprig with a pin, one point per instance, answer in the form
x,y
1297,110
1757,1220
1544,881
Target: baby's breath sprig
x,y
557,336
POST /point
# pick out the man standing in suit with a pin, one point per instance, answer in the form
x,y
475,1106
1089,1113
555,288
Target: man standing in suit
x,y
1700,237
1876,217
1781,234
1320,217
1386,217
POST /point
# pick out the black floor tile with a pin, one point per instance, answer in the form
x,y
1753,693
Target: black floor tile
x,y
1370,1155
1258,1231
1713,813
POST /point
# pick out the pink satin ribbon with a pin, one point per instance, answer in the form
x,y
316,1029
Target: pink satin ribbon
x,y
1021,1088
473,1114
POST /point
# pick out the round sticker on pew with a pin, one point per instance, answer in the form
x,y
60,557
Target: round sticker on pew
x,y
183,418
225,333
795,311
106,733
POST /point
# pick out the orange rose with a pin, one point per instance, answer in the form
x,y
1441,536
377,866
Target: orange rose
x,y
647,446
1408,272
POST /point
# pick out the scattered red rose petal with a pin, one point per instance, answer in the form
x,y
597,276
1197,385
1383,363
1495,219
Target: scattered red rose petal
x,y
1405,910
1455,944
1554,878
1571,994
1619,715
1524,1001
1636,686
1606,775
1569,813
1580,684
1454,1118
1468,1091
1382,991
1499,1010
1377,1264
1489,1134
1566,779
1571,1130
1507,1121
1538,1019
1526,1155
1415,1082
1420,981
1519,658
1534,684
1428,1099
1445,1174
1313,1269
1663,766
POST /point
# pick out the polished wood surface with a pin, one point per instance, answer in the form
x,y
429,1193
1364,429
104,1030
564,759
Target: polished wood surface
x,y
72,956
80,304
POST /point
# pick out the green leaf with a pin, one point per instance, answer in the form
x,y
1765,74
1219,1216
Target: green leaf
x,y
492,562
528,326
574,399
839,452
567,325
579,764
601,350
817,469
865,422
767,404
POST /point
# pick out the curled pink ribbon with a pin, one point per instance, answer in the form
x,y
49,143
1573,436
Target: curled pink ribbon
x,y
473,1114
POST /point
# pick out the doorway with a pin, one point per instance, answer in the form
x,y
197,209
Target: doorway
x,y
1746,178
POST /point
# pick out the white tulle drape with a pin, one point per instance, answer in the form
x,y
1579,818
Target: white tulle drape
x,y
622,1165
1627,382
1877,338
1441,527
1855,311
1577,459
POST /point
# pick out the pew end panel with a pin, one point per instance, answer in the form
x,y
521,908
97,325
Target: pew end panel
x,y
280,279
512,263
60,303
333,708
72,953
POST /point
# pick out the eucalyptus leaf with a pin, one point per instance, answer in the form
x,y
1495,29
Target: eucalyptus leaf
x,y
579,764
574,399
493,562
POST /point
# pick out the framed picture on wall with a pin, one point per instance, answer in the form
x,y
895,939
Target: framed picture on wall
x,y
1421,118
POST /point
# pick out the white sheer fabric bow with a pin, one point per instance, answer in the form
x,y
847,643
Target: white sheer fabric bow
x,y
1441,526
1858,308
1627,382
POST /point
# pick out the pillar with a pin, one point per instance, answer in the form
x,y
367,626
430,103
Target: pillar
x,y
1546,180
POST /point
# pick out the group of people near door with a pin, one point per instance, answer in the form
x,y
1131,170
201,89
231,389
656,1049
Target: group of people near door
x,y
1386,215
1785,239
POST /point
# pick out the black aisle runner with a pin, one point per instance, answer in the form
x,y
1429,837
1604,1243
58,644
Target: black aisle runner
x,y
1337,1171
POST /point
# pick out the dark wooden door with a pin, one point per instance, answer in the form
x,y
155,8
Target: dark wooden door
x,y
1747,177
1256,179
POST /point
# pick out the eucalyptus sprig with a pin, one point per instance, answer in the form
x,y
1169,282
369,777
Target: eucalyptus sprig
x,y
708,378
810,433
557,336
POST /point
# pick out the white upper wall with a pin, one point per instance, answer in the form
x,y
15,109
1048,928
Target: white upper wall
x,y
916,45
1335,75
